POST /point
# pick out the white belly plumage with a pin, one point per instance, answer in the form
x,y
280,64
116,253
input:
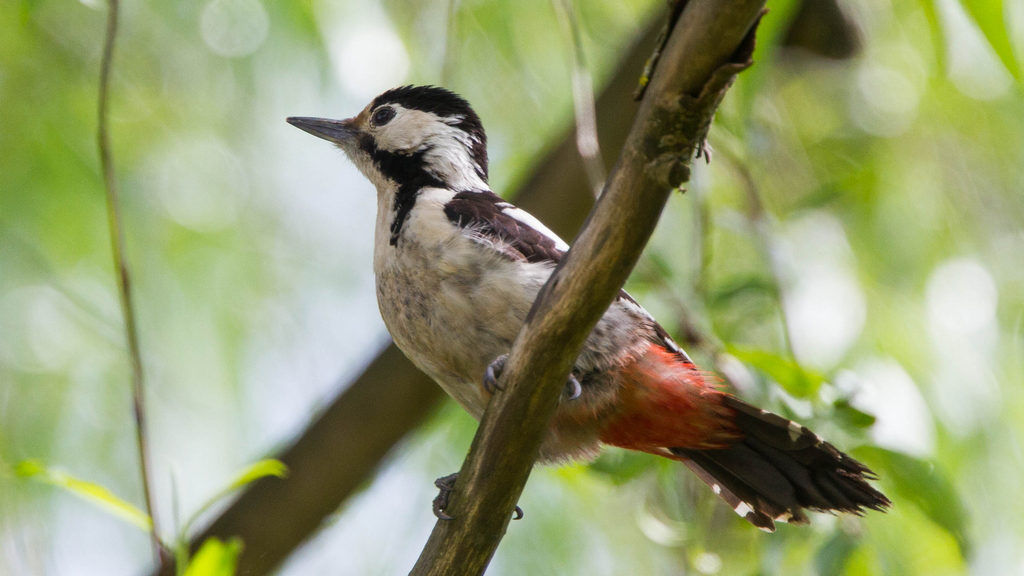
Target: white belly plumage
x,y
454,304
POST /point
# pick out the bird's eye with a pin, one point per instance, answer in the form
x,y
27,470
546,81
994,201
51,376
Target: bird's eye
x,y
382,115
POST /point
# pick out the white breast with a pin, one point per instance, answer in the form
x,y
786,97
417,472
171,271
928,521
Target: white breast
x,y
451,304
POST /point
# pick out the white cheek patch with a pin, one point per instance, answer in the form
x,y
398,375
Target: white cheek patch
x,y
405,133
448,148
413,130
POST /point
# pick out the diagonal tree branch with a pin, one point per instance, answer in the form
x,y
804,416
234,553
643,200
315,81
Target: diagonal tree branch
x,y
709,44
338,452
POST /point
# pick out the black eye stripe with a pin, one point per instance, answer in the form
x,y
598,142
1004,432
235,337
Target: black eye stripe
x,y
382,115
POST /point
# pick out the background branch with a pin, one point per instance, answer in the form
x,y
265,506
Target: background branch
x,y
715,41
123,277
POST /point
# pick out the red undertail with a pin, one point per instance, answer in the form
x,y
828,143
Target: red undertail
x,y
764,466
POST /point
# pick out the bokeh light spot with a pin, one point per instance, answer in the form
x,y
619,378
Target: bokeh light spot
x,y
199,183
234,28
903,419
886,100
961,297
370,60
825,307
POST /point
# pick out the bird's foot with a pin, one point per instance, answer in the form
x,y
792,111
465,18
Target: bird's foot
x,y
445,486
493,372
704,150
573,390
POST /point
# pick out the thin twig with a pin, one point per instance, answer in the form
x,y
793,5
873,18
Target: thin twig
x,y
121,270
450,39
583,99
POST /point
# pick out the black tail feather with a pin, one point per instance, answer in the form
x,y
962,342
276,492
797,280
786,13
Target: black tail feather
x,y
779,468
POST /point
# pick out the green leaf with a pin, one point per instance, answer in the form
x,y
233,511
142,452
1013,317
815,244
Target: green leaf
x,y
852,417
261,469
88,491
215,558
252,473
925,485
990,18
788,373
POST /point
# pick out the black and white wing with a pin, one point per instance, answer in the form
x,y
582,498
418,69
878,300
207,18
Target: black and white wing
x,y
490,220
517,234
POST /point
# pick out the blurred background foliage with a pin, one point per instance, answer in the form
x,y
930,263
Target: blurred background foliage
x,y
853,257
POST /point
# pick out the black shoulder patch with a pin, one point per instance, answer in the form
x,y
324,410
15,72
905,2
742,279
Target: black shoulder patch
x,y
483,212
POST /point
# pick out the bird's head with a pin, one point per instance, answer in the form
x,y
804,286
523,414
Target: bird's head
x,y
413,135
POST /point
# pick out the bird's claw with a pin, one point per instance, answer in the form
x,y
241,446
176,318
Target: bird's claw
x,y
704,150
445,485
493,372
573,390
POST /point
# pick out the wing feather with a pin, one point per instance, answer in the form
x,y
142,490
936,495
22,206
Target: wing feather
x,y
490,220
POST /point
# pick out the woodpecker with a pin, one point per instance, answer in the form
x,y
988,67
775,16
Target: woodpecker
x,y
457,269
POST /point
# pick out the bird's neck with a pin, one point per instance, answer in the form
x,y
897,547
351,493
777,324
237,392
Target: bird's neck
x,y
448,168
454,168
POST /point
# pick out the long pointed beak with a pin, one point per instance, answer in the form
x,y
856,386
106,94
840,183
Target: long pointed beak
x,y
337,131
